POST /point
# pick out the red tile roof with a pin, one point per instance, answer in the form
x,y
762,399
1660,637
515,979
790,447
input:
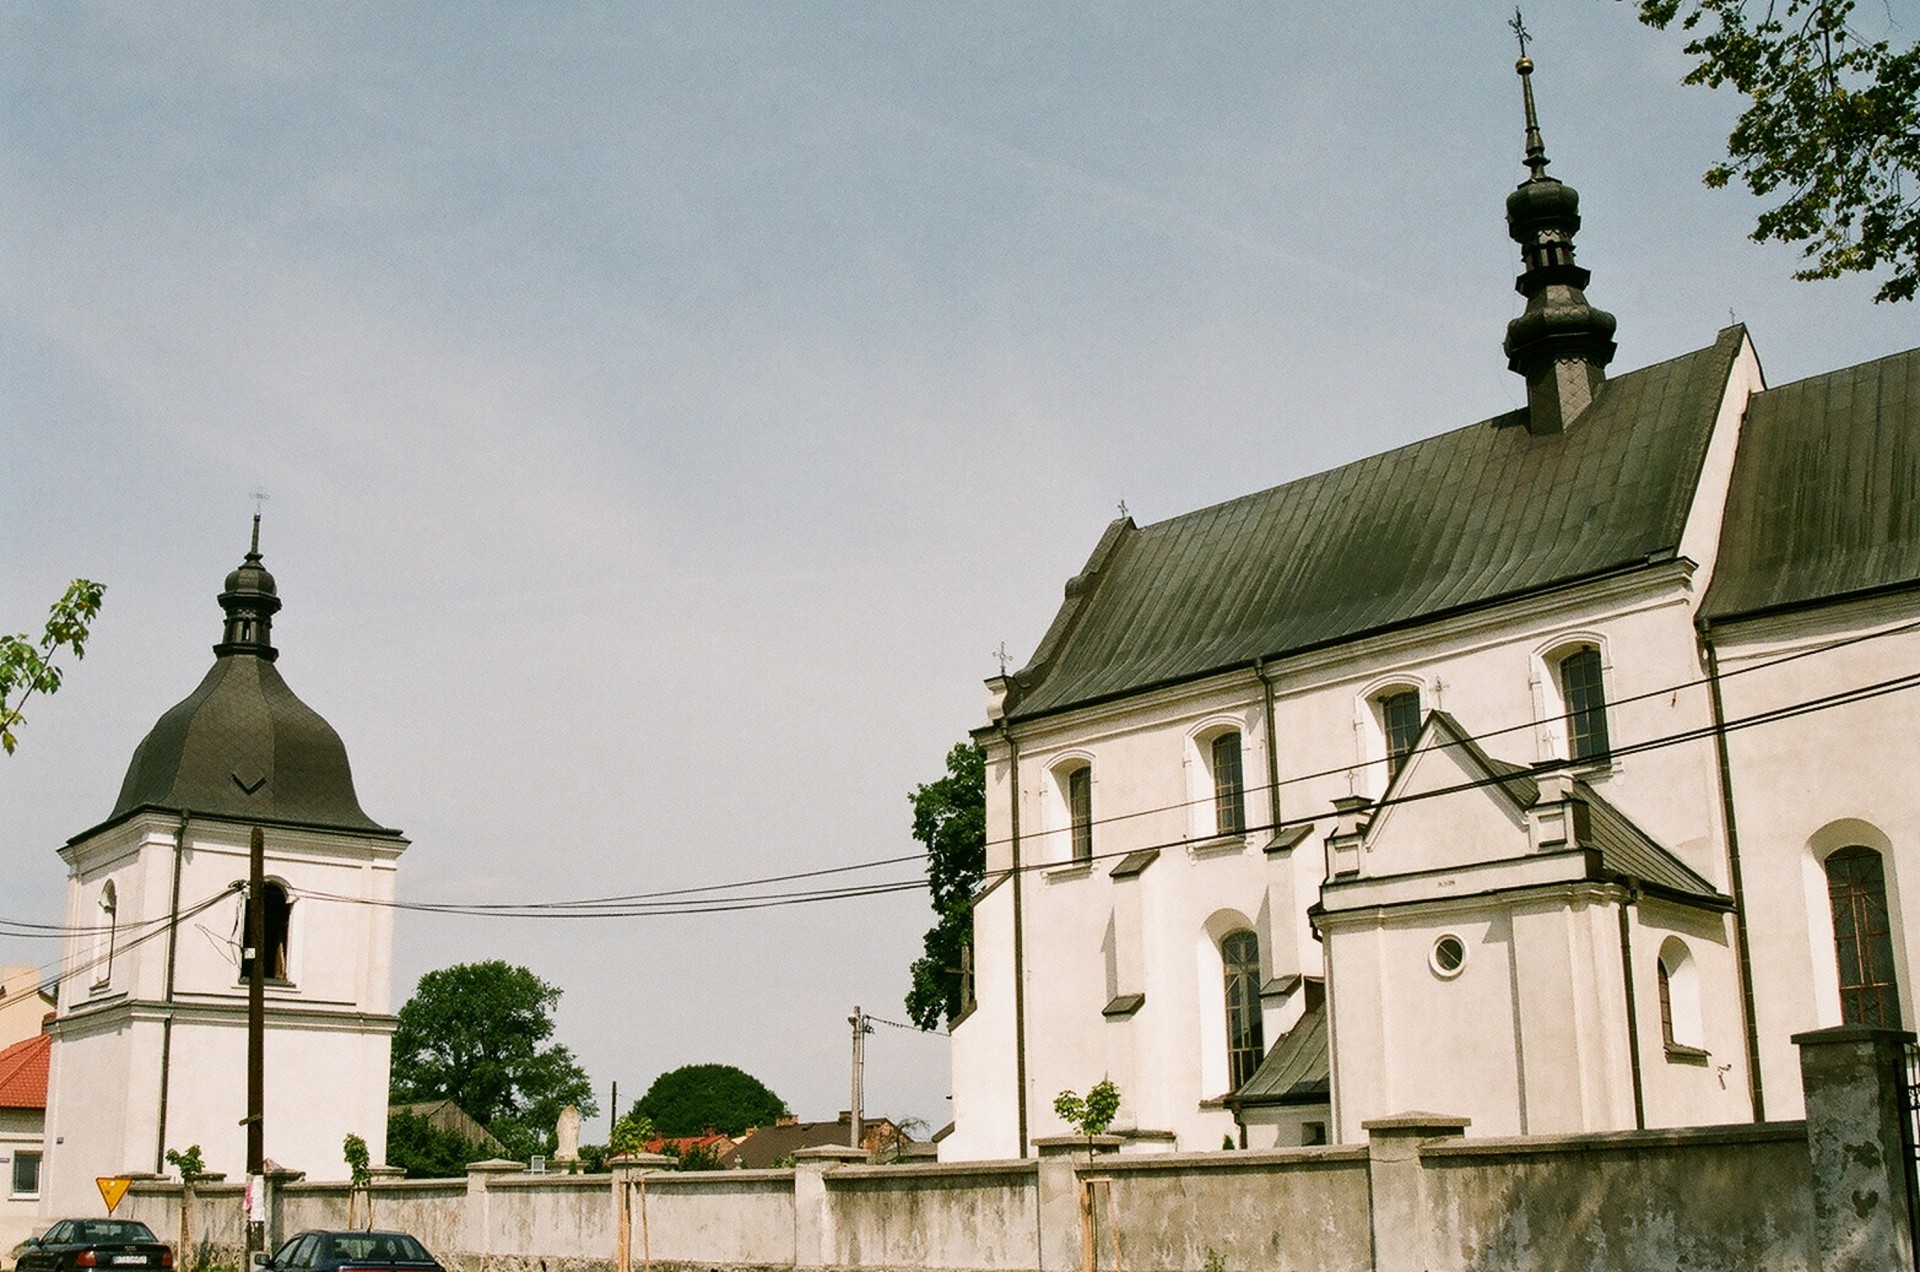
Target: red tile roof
x,y
23,1073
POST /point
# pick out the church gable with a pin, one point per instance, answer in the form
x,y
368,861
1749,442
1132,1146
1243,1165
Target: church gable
x,y
1449,806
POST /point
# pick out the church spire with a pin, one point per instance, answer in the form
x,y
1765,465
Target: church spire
x,y
1560,344
250,602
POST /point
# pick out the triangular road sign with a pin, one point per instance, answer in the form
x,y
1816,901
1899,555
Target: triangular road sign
x,y
112,1189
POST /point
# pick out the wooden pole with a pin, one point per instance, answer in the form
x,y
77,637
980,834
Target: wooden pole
x,y
1087,1233
646,1246
257,1031
623,1238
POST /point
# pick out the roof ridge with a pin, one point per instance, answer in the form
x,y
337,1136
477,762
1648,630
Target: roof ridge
x,y
1498,420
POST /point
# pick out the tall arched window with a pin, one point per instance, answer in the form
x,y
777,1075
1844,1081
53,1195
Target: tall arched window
x,y
1585,696
105,932
1240,959
1080,811
1400,723
1229,788
1863,938
279,921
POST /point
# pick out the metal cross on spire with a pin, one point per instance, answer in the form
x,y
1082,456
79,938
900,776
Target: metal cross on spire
x,y
1520,33
1004,657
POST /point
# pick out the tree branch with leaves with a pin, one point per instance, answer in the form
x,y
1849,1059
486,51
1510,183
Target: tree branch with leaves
x,y
1833,124
950,818
27,666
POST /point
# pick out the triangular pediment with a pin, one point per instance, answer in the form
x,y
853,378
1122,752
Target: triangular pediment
x,y
1450,805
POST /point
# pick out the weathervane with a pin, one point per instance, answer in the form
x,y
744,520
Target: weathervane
x,y
259,506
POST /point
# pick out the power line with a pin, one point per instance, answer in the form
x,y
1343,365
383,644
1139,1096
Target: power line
x,y
700,899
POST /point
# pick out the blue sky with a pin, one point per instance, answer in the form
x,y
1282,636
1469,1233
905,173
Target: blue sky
x,y
666,408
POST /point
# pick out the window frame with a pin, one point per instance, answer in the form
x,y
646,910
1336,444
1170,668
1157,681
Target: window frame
x,y
1868,947
21,1155
106,934
279,933
1584,705
1385,703
1240,982
1076,793
1229,790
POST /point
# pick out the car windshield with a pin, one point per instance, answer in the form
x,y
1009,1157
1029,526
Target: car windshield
x,y
376,1247
105,1230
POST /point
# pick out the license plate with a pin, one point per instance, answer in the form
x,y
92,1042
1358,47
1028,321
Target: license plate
x,y
137,1260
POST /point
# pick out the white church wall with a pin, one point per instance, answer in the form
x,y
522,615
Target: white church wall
x,y
1812,784
1680,1088
1407,1034
1483,668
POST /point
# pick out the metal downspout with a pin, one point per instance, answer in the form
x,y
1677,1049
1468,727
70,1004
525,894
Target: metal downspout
x,y
1631,900
1019,944
1273,751
1743,955
166,1021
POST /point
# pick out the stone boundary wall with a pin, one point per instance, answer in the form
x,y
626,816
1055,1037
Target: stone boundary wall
x,y
1828,1194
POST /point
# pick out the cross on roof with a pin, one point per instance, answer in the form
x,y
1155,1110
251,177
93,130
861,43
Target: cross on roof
x,y
1519,28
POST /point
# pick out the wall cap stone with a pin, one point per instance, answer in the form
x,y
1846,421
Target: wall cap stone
x,y
1851,1033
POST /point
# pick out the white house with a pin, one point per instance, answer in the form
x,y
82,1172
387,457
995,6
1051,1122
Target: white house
x,y
150,1042
1519,773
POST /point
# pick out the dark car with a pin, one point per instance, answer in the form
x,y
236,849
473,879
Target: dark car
x,y
349,1252
93,1243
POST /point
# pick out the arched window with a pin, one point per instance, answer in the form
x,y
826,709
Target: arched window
x,y
1585,697
1240,959
279,921
1679,981
1080,811
1400,724
105,932
1229,788
1863,938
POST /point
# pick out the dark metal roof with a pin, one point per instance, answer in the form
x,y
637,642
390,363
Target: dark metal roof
x,y
242,745
1456,521
1825,500
1295,1070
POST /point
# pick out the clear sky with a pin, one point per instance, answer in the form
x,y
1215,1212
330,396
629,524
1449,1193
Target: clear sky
x,y
665,409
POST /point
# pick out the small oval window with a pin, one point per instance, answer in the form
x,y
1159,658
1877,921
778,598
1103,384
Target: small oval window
x,y
1448,957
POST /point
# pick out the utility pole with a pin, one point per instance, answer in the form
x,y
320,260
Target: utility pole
x,y
613,1104
861,1028
256,1034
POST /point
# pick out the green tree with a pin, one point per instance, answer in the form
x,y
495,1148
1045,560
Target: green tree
x,y
1091,1115
687,1100
1833,120
476,1033
27,666
192,1168
950,818
424,1151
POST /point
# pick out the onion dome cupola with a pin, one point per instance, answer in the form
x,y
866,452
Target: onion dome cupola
x,y
243,745
1560,344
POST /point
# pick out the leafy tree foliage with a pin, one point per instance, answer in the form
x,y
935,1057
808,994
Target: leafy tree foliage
x,y
1833,121
27,666
950,818
687,1100
425,1151
476,1033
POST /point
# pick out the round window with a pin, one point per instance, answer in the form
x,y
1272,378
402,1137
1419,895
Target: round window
x,y
1448,957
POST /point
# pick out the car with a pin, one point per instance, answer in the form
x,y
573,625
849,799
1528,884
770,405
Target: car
x,y
93,1243
353,1251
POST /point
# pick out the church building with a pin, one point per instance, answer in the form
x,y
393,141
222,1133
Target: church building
x,y
1551,771
150,1040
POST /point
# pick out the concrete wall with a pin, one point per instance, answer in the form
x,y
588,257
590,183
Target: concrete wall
x,y
1829,1193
